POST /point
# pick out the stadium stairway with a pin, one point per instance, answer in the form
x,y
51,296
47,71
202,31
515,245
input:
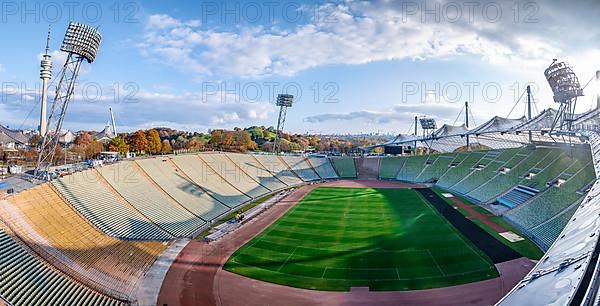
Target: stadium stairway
x,y
256,170
95,199
194,167
173,181
344,166
300,167
390,166
229,173
137,189
323,167
278,168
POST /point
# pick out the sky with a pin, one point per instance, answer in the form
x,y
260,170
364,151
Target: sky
x,y
353,66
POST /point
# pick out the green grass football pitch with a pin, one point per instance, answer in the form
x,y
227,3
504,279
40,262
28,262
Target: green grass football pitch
x,y
384,239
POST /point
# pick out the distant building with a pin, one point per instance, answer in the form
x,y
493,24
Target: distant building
x,y
106,135
67,138
12,139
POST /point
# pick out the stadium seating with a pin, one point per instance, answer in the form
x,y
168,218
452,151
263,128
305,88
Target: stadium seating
x,y
435,167
548,169
24,280
86,192
41,217
413,166
164,172
548,231
233,175
553,201
323,167
274,164
461,168
299,165
344,166
390,166
488,168
519,165
131,183
254,169
194,168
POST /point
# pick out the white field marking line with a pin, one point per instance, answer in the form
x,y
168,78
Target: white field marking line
x,y
288,258
371,279
397,273
324,271
435,262
352,214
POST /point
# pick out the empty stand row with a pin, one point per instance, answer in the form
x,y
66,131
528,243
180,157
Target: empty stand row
x,y
43,220
179,196
27,281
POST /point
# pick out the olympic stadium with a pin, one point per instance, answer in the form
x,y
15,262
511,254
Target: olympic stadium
x,y
502,213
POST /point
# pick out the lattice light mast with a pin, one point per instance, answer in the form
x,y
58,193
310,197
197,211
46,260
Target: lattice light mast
x,y
45,75
428,125
566,89
283,101
81,43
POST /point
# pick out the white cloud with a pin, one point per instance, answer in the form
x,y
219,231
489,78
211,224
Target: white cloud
x,y
399,113
191,111
1,68
364,32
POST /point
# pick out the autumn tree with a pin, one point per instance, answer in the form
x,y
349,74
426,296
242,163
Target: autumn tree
x,y
166,147
243,140
137,142
228,139
154,143
118,144
83,139
216,138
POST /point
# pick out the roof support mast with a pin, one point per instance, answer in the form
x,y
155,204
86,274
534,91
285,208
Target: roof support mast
x,y
415,147
467,122
529,110
112,118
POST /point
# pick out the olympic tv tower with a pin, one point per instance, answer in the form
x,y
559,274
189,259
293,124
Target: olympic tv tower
x,y
45,75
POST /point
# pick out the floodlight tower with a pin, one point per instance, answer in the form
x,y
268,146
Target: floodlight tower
x,y
428,125
81,43
283,101
45,75
566,88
